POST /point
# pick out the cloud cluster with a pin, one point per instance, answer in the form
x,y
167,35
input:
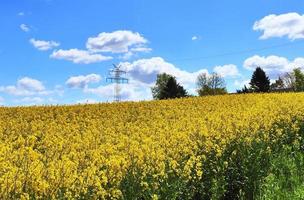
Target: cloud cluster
x,y
273,65
146,70
194,38
82,81
79,56
227,70
31,91
25,87
126,43
25,28
134,91
242,83
116,42
44,45
289,24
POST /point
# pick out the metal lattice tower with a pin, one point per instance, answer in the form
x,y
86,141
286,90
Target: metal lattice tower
x,y
117,76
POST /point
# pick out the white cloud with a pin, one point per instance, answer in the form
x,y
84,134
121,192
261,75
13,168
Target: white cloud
x,y
82,81
79,56
30,84
134,51
140,49
21,14
25,87
146,70
289,24
194,38
44,45
133,91
24,28
241,83
273,65
126,56
117,42
227,70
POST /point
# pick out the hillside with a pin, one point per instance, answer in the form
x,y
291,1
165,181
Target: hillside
x,y
211,147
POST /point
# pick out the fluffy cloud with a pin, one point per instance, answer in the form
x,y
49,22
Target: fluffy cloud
x,y
241,83
227,70
82,81
30,84
79,56
24,28
140,49
146,70
117,42
194,38
289,24
274,65
25,87
43,45
134,91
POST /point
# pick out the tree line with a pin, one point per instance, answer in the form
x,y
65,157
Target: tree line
x,y
167,87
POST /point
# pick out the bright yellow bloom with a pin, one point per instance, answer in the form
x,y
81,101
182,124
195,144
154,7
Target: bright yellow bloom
x,y
90,149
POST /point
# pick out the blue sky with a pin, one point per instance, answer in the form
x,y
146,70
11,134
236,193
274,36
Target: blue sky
x,y
59,52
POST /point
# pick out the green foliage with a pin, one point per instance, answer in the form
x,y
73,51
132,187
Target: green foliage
x,y
206,90
260,169
210,85
299,80
286,177
166,87
288,82
259,81
244,90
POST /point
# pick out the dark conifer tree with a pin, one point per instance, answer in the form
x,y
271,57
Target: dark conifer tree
x,y
260,81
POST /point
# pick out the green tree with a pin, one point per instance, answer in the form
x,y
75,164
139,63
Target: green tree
x,y
259,81
166,87
210,85
299,80
245,89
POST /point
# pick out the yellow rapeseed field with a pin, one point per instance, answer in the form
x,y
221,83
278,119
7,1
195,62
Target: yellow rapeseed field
x,y
105,151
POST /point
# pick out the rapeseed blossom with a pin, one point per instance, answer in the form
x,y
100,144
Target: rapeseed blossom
x,y
90,151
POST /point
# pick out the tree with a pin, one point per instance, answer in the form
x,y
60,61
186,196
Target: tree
x,y
210,85
245,89
259,81
299,80
288,80
166,87
277,85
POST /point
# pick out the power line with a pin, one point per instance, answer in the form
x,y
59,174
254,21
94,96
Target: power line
x,y
116,75
238,52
